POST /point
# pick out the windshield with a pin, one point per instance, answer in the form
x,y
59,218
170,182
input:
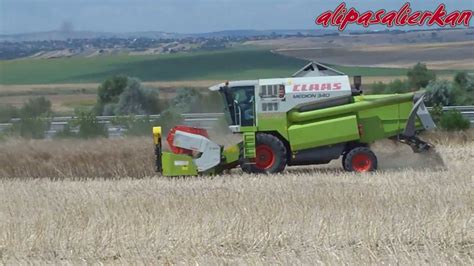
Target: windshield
x,y
240,105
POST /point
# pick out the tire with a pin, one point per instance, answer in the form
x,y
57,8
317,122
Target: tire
x,y
361,160
271,156
344,155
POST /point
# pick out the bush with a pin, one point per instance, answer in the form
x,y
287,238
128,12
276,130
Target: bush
x,y
169,119
89,126
7,113
454,121
396,86
439,93
34,119
30,127
187,100
436,113
461,79
36,107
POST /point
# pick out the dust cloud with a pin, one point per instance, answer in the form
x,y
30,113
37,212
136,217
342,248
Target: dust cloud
x,y
394,155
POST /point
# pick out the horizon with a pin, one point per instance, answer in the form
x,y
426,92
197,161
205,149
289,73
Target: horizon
x,y
353,29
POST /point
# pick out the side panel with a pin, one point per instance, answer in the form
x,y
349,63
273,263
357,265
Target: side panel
x,y
319,155
178,165
383,122
273,122
326,132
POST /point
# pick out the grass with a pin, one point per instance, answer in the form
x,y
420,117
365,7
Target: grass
x,y
217,65
231,64
384,71
98,202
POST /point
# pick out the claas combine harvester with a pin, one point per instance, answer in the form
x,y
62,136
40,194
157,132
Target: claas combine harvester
x,y
311,118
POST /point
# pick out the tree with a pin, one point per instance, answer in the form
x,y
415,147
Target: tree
x,y
419,76
109,92
131,99
136,100
36,107
170,118
34,119
439,93
187,100
31,127
122,95
463,89
461,79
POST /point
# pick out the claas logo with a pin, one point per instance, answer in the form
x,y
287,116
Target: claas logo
x,y
317,87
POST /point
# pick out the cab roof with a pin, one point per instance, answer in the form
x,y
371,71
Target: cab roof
x,y
239,83
312,69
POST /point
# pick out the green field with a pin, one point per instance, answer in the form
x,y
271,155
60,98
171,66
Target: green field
x,y
384,71
231,64
228,64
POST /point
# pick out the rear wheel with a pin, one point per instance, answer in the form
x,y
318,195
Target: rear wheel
x,y
360,159
271,156
344,160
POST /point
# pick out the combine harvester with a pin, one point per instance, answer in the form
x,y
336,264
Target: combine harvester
x,y
312,118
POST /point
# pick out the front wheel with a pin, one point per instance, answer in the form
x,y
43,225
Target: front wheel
x,y
360,159
271,156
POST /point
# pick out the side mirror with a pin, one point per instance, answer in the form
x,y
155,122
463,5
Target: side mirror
x,y
357,82
356,90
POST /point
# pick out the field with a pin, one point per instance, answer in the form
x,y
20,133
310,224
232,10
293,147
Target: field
x,y
439,56
440,50
217,65
72,82
98,201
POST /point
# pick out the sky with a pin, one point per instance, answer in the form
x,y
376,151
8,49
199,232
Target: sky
x,y
184,16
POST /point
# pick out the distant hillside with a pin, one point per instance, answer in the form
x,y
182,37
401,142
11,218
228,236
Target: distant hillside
x,y
253,33
59,35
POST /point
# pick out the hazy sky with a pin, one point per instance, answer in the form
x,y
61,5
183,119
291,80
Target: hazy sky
x,y
184,16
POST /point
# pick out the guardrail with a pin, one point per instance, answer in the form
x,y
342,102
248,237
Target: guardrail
x,y
466,111
202,120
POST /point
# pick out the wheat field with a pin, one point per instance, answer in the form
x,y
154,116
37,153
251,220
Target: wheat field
x,y
99,201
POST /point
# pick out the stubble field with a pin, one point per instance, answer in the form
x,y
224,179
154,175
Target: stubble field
x,y
99,201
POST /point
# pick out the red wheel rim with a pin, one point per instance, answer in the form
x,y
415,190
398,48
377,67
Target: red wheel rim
x,y
361,162
265,158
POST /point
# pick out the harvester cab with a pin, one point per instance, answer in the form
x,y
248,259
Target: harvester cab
x,y
313,117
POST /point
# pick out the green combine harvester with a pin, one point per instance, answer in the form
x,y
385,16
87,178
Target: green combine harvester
x,y
312,118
